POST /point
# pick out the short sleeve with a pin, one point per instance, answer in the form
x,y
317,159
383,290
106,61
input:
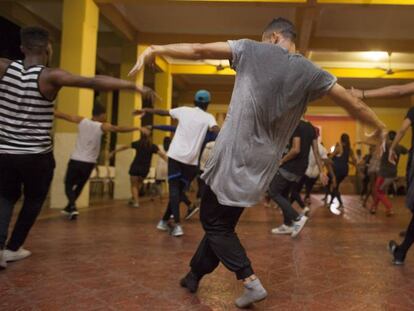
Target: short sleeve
x,y
212,121
320,84
154,148
237,48
176,113
297,132
410,115
135,144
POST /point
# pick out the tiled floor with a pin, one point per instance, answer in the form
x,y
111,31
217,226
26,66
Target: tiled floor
x,y
112,258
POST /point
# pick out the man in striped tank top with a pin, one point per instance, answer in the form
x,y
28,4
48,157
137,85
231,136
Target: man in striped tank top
x,y
28,89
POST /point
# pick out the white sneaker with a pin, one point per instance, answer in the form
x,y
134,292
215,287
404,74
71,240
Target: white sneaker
x,y
3,262
283,229
20,254
177,231
162,225
305,211
298,226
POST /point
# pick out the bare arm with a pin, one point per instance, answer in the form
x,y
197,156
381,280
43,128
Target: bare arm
x,y
400,134
52,80
143,111
107,127
353,159
68,117
120,149
391,91
194,51
293,152
355,107
163,155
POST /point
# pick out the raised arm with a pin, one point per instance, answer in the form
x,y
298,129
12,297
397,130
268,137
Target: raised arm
x,y
165,128
144,111
391,91
107,127
293,152
400,134
68,117
357,109
52,80
194,51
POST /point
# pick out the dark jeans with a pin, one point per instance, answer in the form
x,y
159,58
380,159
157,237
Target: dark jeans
x,y
77,175
295,192
220,242
402,250
34,174
279,191
180,176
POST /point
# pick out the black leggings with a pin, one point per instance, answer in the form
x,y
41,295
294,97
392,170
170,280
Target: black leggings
x,y
77,175
335,192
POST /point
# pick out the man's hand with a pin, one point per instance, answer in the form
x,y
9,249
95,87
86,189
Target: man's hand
x,y
356,93
139,112
392,157
323,178
148,93
147,57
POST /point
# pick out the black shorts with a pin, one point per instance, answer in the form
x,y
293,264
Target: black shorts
x,y
138,171
181,171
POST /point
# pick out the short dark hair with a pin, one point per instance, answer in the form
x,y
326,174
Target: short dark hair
x,y
98,110
201,105
392,134
34,38
282,25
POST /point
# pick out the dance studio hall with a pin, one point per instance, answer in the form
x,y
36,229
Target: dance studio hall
x,y
196,155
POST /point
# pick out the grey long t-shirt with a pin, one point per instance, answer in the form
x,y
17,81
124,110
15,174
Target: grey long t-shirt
x,y
271,91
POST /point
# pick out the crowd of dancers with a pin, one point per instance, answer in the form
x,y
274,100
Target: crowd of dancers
x,y
247,158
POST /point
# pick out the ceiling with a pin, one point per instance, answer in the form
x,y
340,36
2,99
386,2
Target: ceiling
x,y
330,35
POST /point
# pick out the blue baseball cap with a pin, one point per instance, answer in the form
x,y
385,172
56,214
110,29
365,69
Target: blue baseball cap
x,y
202,96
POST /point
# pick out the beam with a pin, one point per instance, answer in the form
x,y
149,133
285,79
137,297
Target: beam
x,y
360,73
110,12
355,44
203,1
20,15
306,29
368,2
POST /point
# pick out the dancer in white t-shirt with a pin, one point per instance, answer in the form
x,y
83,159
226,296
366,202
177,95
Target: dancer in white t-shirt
x,y
87,149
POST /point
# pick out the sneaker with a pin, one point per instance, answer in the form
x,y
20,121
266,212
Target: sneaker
x,y
392,247
190,281
3,262
135,205
177,231
20,254
70,210
283,229
298,226
163,225
191,211
305,211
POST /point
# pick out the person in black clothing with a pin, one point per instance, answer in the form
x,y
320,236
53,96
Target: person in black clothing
x,y
292,168
140,166
340,157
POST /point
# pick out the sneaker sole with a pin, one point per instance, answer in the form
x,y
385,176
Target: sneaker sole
x,y
192,213
281,233
17,259
250,304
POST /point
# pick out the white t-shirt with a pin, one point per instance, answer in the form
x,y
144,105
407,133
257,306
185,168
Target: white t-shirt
x,y
88,143
313,169
193,124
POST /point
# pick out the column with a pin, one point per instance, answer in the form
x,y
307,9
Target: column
x,y
78,56
163,87
128,102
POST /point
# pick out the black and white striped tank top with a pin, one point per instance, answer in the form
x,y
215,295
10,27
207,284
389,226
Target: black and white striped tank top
x,y
26,116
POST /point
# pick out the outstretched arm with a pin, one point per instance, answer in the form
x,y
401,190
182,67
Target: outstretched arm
x,y
68,117
107,127
165,128
143,111
357,109
52,80
401,133
120,149
391,91
217,50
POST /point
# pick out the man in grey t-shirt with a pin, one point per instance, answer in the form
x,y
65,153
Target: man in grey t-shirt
x,y
272,88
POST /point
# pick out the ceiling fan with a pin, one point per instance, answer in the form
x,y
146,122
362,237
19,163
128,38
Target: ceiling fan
x,y
389,71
